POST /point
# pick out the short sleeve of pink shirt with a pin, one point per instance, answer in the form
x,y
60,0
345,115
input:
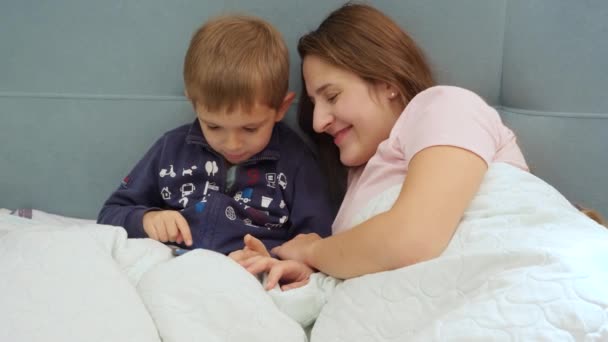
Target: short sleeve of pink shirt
x,y
455,117
441,115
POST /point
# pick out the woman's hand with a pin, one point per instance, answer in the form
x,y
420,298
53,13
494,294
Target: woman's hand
x,y
298,248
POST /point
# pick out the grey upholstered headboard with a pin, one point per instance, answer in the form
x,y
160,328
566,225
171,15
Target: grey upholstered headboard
x,y
86,86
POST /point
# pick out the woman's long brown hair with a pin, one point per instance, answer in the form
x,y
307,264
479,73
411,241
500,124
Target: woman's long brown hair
x,y
362,40
594,215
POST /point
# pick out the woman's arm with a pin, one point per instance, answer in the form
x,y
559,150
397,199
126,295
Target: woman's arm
x,y
440,184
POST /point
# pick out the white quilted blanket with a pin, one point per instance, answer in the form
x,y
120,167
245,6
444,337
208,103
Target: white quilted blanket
x,y
90,283
524,265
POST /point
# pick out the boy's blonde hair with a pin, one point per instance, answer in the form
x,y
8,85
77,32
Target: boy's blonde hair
x,y
236,61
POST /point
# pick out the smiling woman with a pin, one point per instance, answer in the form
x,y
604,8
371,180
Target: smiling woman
x,y
388,121
357,114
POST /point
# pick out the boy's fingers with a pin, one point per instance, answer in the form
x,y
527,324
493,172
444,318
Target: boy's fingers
x,y
172,232
242,255
255,245
179,238
152,233
294,285
274,276
262,264
250,261
236,255
161,232
184,229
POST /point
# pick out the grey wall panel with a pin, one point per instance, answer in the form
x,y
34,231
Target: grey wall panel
x,y
556,56
87,86
134,47
66,155
568,151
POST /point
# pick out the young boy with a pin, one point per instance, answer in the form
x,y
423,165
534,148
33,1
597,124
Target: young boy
x,y
236,170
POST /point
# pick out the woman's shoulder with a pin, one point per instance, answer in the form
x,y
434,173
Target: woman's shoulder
x,y
448,115
446,103
446,95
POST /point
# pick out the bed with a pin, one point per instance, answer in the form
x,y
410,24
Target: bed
x,y
524,265
86,87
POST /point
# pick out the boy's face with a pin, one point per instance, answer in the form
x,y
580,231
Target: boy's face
x,y
239,135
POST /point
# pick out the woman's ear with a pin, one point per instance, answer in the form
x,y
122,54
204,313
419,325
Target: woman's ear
x,y
391,91
387,91
391,97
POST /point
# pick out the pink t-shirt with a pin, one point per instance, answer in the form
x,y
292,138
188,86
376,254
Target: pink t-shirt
x,y
440,115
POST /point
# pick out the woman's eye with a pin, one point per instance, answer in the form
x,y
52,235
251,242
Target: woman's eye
x,y
332,98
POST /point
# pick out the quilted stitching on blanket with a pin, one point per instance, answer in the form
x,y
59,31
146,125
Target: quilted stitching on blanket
x,y
524,265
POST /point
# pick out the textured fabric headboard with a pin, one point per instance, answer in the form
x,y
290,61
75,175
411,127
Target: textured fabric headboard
x,y
86,86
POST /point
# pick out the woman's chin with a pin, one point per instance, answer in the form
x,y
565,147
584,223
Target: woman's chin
x,y
351,159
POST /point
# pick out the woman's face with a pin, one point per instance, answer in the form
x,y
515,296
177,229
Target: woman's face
x,y
358,115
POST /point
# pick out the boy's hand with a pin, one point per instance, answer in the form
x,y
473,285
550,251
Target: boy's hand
x,y
253,248
167,226
290,273
254,257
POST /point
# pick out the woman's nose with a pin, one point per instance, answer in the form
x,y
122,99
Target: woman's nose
x,y
321,119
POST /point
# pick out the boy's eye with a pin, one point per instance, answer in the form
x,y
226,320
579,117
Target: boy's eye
x,y
212,128
251,129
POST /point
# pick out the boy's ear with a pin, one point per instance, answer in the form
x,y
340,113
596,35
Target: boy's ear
x,y
287,101
189,99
